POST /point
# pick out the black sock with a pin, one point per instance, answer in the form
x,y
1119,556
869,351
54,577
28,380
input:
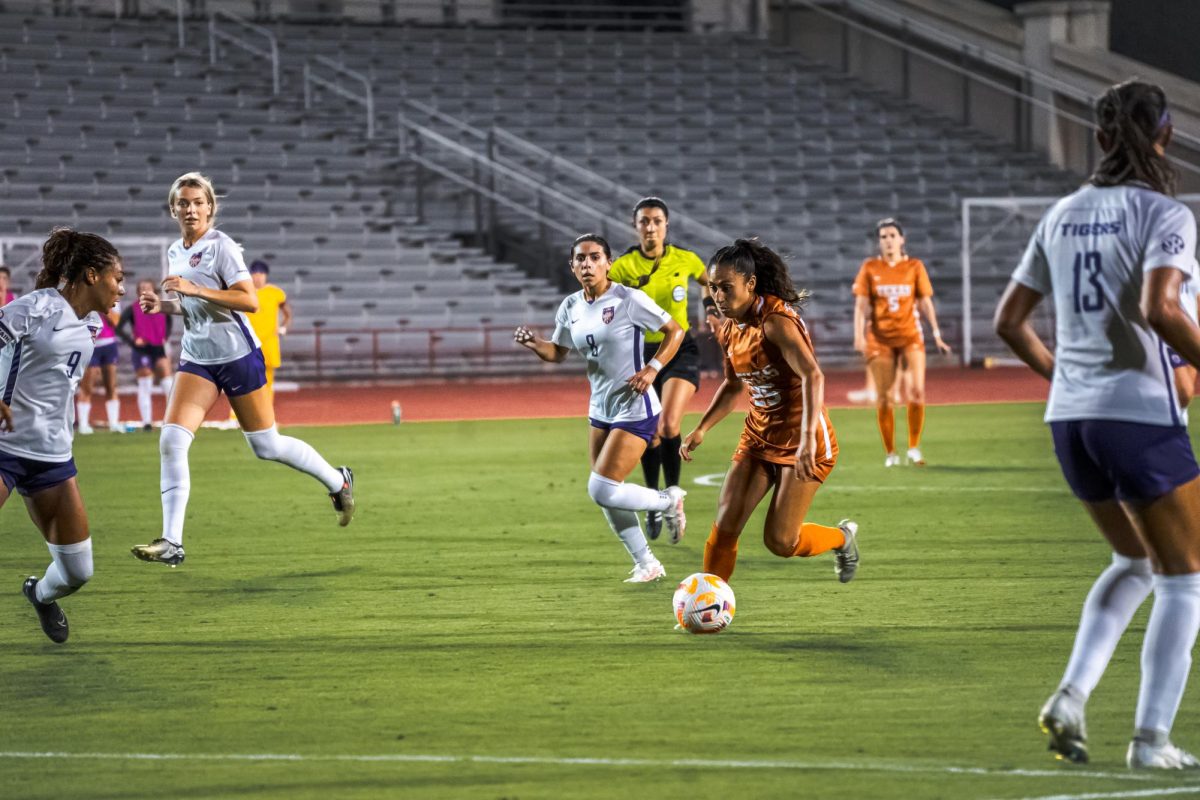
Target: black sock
x,y
672,463
651,463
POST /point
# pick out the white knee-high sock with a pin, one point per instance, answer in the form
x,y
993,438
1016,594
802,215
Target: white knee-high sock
x,y
628,529
175,479
70,570
113,409
270,445
628,496
167,384
144,387
1167,651
83,413
1111,603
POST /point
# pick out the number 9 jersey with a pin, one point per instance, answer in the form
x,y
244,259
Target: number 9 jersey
x,y
1091,251
45,349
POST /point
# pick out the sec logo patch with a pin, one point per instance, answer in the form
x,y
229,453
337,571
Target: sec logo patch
x,y
678,293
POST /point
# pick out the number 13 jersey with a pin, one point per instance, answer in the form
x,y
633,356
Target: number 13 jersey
x,y
1092,251
45,350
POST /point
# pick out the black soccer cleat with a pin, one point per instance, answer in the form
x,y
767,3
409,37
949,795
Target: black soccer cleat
x,y
343,499
54,621
653,524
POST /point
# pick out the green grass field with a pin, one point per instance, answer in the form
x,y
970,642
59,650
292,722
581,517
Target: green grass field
x,y
469,636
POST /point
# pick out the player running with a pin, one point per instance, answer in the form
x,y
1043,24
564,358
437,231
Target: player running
x,y
891,293
219,354
1115,256
788,446
147,336
605,322
663,270
47,338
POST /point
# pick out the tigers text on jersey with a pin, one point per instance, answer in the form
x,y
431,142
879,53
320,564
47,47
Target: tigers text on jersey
x,y
46,348
212,334
608,333
775,423
1091,251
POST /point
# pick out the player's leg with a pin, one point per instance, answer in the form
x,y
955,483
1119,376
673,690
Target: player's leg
x,y
112,403
744,487
145,387
270,385
865,394
614,454
83,404
675,393
624,522
652,458
883,371
58,512
189,404
256,415
166,379
913,361
786,534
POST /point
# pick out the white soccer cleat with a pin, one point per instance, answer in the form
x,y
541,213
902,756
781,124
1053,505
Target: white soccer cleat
x,y
1143,755
914,457
845,558
646,573
892,460
673,518
861,396
85,429
1062,719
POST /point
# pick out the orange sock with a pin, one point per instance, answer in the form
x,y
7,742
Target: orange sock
x,y
816,539
887,427
916,423
720,553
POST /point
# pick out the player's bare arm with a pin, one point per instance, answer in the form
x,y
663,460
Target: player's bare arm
x,y
925,304
800,357
723,402
643,379
543,348
241,296
862,307
1012,325
1164,313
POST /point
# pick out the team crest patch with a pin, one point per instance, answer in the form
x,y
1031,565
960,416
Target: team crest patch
x,y
1173,244
607,314
94,331
678,293
194,261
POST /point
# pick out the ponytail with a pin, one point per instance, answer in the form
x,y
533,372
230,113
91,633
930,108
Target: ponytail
x,y
1132,116
750,258
67,253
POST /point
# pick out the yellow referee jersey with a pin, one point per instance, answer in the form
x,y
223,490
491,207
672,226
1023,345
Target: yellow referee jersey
x,y
667,285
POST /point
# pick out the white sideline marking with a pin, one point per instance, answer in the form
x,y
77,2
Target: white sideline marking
x,y
404,758
715,480
1133,793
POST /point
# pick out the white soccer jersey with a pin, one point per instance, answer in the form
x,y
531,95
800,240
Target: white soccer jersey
x,y
212,334
608,333
1091,251
45,350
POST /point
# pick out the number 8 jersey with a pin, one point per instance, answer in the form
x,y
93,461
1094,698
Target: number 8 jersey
x,y
46,348
1092,251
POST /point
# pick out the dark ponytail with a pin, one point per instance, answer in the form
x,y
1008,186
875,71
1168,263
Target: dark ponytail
x,y
67,253
1132,115
751,258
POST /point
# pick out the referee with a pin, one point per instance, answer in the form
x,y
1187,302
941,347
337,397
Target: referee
x,y
662,271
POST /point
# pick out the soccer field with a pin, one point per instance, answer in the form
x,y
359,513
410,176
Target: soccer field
x,y
469,635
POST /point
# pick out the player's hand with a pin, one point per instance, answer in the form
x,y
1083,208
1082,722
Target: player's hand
x,y
181,286
941,346
693,440
150,303
283,330
6,423
139,342
806,458
643,379
860,344
523,336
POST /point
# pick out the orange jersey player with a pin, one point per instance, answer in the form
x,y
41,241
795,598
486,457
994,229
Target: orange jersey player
x,y
891,293
788,446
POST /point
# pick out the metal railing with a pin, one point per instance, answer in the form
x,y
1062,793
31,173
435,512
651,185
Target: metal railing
x,y
366,99
215,33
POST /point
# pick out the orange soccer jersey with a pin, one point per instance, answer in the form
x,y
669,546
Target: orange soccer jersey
x,y
893,291
774,426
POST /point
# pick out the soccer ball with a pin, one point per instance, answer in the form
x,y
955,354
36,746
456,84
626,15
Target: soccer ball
x,y
703,603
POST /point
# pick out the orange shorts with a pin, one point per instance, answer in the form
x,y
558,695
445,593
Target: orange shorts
x,y
891,348
752,448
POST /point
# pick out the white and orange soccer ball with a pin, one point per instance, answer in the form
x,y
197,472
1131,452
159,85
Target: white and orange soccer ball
x,y
703,603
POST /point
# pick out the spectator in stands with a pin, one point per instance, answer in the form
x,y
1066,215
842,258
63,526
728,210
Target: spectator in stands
x,y
888,291
147,336
103,366
5,286
662,270
272,302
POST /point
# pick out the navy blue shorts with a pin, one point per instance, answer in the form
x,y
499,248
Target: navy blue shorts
x,y
234,378
1103,459
104,355
146,356
643,429
30,476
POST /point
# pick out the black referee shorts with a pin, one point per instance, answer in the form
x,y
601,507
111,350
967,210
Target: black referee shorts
x,y
685,364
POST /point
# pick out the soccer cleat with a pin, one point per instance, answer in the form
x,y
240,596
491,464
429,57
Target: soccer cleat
x,y
1143,755
645,573
673,517
54,621
343,499
653,524
1061,718
892,460
160,550
861,396
845,558
85,429
914,457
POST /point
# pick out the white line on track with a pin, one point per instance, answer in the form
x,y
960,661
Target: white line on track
x,y
1172,792
405,758
715,480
